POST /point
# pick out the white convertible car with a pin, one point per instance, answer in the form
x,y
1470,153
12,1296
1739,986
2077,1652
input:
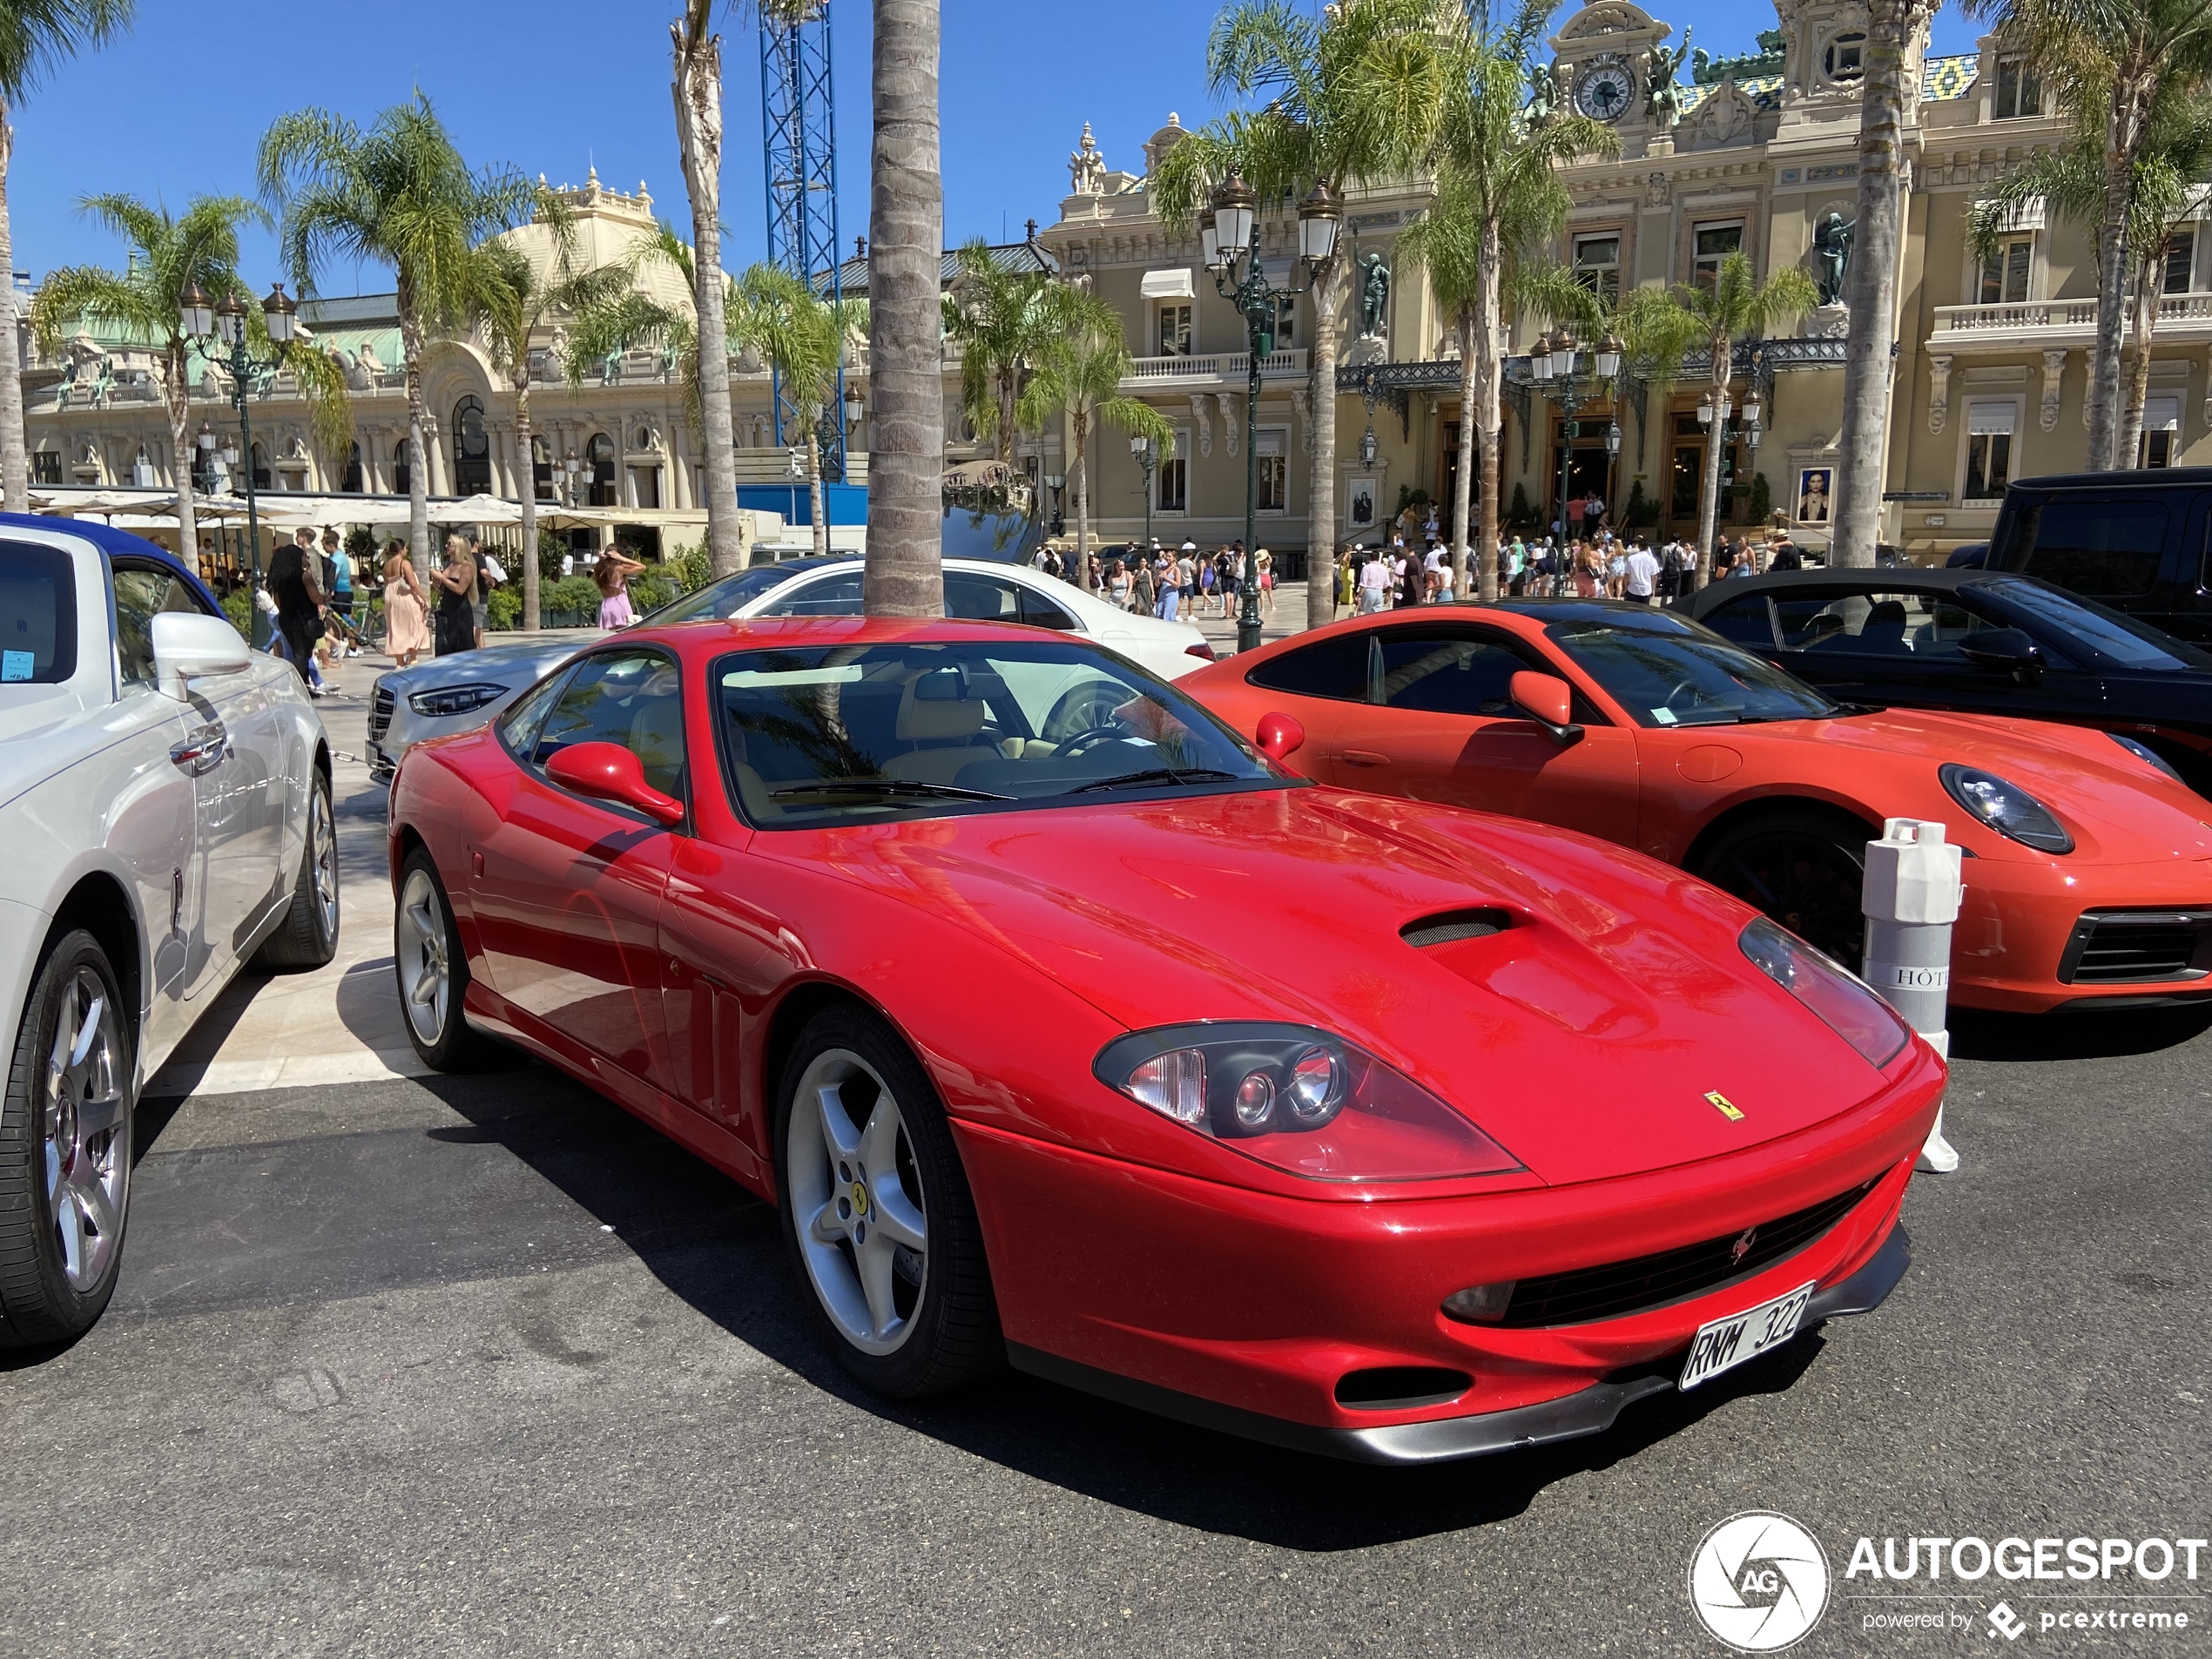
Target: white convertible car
x,y
165,816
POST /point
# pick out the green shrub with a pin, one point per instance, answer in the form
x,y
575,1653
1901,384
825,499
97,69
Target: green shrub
x,y
691,567
578,594
239,610
551,549
360,547
650,593
1641,512
1762,498
1521,515
503,610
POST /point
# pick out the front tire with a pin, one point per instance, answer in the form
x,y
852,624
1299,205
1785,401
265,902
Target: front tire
x,y
65,1147
432,969
877,1215
308,936
1804,868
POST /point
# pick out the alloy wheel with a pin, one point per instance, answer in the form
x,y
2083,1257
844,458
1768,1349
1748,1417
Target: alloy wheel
x,y
322,859
856,1202
1803,881
86,1131
426,973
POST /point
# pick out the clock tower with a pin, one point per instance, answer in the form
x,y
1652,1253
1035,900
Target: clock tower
x,y
1602,56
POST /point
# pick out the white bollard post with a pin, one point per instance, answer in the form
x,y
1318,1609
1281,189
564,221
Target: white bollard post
x,y
1911,898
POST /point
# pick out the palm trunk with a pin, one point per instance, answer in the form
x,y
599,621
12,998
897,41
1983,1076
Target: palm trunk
x,y
815,503
531,579
1870,285
906,241
697,89
2131,409
1470,554
1708,497
1490,302
1079,434
177,395
2121,130
15,463
1330,284
418,472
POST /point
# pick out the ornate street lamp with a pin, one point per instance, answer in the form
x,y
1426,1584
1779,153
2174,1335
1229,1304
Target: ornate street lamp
x,y
1141,448
1056,482
1367,445
1571,374
224,321
1238,277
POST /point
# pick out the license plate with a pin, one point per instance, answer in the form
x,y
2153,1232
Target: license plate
x,y
1729,1342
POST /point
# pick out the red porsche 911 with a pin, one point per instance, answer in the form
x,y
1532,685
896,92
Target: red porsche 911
x,y
1066,1029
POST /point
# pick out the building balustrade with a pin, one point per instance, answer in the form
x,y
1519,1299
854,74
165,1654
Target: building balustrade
x,y
1150,372
2060,322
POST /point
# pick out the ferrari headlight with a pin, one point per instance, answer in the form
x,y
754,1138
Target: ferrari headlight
x,y
1301,1100
2007,808
454,699
2148,755
1842,1000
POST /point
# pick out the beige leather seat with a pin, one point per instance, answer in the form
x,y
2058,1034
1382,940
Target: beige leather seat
x,y
947,735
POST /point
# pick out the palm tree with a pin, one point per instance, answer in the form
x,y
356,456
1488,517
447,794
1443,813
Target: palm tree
x,y
35,36
624,313
513,303
803,337
1001,321
697,89
1870,281
2110,60
1354,93
1079,375
1498,198
905,575
397,193
2161,197
1735,305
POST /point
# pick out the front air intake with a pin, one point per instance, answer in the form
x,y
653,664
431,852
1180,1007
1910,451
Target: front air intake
x,y
1452,925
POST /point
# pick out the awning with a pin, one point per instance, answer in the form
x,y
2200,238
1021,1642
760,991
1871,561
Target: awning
x,y
2162,415
1174,284
1989,419
2029,215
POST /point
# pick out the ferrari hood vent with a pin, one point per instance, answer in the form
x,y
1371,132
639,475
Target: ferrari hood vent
x,y
1453,926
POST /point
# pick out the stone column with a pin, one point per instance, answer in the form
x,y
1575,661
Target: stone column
x,y
2054,373
1939,390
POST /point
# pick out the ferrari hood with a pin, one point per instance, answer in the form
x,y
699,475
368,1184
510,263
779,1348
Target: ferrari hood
x,y
1588,1034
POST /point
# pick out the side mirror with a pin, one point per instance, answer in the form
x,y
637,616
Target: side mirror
x,y
609,771
2002,651
1549,701
1279,737
189,647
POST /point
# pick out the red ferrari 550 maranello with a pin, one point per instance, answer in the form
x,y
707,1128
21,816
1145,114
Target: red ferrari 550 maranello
x,y
2089,866
1066,1029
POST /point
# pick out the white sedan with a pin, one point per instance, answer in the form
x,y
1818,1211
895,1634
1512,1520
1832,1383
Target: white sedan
x,y
165,806
462,692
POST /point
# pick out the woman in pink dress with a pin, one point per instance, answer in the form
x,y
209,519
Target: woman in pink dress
x,y
612,573
407,608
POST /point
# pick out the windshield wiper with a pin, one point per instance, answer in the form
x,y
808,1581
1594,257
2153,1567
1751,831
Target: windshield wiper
x,y
884,786
1156,775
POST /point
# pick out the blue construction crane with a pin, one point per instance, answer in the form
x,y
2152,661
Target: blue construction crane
x,y
798,132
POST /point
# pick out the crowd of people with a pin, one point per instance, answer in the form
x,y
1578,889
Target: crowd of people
x,y
1174,584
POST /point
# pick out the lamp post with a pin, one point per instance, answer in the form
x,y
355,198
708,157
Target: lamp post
x,y
1559,367
1238,277
1147,459
1057,483
204,322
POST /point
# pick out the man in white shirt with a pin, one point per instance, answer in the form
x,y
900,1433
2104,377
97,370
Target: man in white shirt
x,y
1642,576
1374,581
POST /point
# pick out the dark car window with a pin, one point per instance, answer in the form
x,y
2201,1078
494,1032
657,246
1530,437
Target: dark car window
x,y
981,598
1745,621
2121,638
1683,675
829,596
1040,612
1916,627
1334,667
630,698
517,728
718,601
2107,549
1442,673
142,592
38,615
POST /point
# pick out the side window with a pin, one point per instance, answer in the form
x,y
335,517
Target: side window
x,y
38,613
517,728
1040,612
142,592
2106,549
1917,625
981,598
629,697
1445,673
832,596
1335,667
1747,622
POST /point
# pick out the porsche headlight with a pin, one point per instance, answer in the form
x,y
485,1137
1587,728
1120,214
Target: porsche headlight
x,y
454,699
2148,755
1843,1002
2007,808
1302,1100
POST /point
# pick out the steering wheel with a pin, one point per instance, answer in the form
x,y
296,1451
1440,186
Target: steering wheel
x,y
1682,694
1082,742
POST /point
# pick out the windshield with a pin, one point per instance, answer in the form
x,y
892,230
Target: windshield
x,y
840,735
2084,621
719,601
1666,671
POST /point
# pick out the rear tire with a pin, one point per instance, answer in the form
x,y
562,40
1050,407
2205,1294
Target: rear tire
x,y
1803,868
307,937
431,970
877,1215
65,1147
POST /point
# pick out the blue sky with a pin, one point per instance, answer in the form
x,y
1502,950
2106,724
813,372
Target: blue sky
x,y
555,86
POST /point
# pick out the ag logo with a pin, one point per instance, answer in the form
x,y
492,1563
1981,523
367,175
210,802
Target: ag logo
x,y
1759,1581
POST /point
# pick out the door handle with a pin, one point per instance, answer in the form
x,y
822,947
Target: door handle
x,y
1363,757
201,751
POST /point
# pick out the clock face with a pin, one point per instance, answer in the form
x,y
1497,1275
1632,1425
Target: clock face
x,y
1604,89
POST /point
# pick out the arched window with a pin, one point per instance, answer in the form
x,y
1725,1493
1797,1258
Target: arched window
x,y
541,467
352,484
600,452
403,473
471,449
261,468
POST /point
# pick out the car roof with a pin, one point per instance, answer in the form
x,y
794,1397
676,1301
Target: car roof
x,y
2140,478
114,542
738,633
1879,579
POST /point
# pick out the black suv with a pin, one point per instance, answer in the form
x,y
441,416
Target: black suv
x,y
2137,540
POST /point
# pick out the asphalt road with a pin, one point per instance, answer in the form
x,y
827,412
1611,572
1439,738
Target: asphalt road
x,y
416,1365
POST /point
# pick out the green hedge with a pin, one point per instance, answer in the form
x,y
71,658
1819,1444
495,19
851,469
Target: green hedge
x,y
503,610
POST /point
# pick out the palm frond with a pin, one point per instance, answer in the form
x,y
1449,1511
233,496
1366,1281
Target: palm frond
x,y
37,36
